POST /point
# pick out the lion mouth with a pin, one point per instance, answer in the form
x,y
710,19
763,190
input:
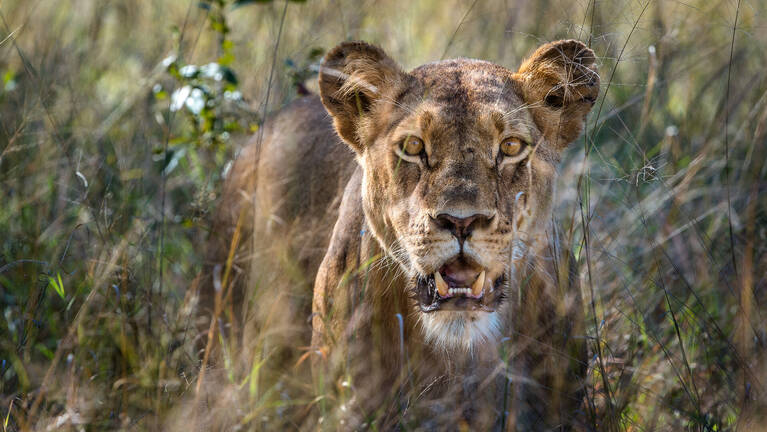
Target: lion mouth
x,y
459,285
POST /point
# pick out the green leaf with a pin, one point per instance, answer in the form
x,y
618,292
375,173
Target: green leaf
x,y
229,75
8,416
57,285
45,351
316,52
9,81
226,59
239,3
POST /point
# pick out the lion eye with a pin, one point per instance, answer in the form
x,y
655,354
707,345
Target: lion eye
x,y
412,146
512,146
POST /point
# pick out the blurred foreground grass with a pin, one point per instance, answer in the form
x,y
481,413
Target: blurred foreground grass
x,y
118,120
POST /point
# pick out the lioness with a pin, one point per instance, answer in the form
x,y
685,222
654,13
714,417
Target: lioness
x,y
442,295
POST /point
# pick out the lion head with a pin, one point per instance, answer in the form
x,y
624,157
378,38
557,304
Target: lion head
x,y
459,162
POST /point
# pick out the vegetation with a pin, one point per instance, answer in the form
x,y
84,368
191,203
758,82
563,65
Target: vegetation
x,y
118,120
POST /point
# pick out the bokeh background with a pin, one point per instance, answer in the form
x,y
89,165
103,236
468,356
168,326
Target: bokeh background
x,y
120,118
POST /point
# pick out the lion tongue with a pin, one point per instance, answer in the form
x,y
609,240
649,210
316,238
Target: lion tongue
x,y
459,275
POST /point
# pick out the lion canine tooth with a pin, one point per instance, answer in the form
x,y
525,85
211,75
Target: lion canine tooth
x,y
442,288
476,287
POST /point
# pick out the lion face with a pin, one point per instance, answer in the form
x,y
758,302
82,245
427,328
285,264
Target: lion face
x,y
459,158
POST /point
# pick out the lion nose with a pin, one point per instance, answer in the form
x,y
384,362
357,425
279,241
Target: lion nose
x,y
461,227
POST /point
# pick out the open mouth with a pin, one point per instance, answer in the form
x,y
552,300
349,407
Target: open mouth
x,y
459,285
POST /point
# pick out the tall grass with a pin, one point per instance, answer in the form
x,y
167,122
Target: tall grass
x,y
106,194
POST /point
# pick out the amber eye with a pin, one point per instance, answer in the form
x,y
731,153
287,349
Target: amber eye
x,y
412,146
512,146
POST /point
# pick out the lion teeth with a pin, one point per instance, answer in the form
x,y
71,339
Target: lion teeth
x,y
456,291
478,285
445,290
442,287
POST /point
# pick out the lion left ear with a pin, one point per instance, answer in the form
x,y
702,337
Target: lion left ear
x,y
560,84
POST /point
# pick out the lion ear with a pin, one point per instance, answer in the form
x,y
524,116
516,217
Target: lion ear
x,y
560,83
353,77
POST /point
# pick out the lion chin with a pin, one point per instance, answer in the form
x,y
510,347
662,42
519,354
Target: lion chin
x,y
465,331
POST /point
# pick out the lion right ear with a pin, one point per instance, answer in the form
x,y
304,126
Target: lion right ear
x,y
354,76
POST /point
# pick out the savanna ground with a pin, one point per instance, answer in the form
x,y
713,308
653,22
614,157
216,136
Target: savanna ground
x,y
118,120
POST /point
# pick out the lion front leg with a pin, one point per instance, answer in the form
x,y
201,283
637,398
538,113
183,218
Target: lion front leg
x,y
350,367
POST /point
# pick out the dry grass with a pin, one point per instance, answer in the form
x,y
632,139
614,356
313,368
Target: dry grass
x,y
106,190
